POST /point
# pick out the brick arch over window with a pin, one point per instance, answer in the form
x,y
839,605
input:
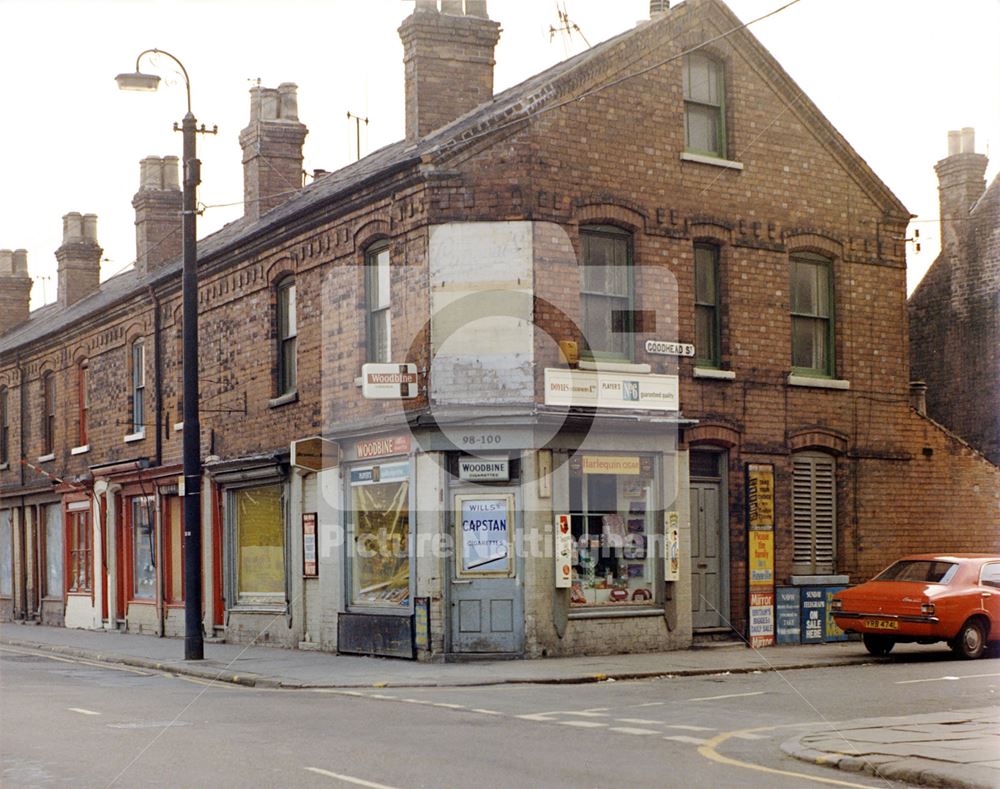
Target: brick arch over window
x,y
371,232
714,434
818,438
617,214
821,244
703,231
279,269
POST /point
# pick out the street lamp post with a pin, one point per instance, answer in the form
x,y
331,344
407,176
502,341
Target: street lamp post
x,y
193,640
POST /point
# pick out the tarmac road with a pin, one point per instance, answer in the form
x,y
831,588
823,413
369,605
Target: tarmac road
x,y
72,721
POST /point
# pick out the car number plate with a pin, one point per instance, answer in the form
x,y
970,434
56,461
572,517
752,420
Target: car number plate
x,y
881,624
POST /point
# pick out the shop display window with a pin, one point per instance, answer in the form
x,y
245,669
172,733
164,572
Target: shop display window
x,y
143,549
611,507
79,550
380,568
260,543
53,551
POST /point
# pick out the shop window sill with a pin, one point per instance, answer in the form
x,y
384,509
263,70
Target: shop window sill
x,y
714,373
80,450
818,383
47,458
606,612
285,399
715,161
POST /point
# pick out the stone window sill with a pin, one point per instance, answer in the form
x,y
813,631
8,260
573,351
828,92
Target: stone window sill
x,y
285,399
818,383
713,373
178,427
613,613
131,438
715,161
614,367
4,466
80,450
47,458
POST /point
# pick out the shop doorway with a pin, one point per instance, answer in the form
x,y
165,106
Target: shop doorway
x,y
709,541
487,605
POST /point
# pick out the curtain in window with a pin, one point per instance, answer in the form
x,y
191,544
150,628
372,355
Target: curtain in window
x,y
260,540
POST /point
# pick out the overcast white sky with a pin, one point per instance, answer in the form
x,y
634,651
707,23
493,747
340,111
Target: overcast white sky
x,y
892,75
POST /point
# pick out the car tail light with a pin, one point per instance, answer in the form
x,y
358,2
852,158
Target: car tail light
x,y
837,605
927,609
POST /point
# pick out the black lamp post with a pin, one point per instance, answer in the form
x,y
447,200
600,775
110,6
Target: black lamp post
x,y
193,640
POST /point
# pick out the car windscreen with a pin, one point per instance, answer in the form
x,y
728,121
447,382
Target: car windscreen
x,y
921,570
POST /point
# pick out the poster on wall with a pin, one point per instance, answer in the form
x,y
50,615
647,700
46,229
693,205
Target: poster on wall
x,y
310,566
761,619
486,535
672,563
760,496
563,552
761,546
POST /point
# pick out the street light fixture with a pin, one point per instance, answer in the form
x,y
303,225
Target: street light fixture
x,y
193,640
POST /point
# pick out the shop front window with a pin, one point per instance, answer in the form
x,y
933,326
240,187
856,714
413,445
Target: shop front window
x,y
260,543
143,549
380,562
611,503
6,555
80,550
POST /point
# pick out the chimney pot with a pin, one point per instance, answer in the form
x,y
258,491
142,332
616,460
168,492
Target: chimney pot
x,y
20,262
658,8
72,227
954,142
90,228
171,181
476,8
452,7
426,6
150,173
968,140
288,93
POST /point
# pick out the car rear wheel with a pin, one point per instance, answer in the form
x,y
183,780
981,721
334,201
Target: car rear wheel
x,y
970,642
878,645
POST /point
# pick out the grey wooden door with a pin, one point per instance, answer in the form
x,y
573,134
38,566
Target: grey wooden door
x,y
707,591
487,605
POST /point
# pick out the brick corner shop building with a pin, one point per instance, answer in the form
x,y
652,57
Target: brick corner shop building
x,y
587,366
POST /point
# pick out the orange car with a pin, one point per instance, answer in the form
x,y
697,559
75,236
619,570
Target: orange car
x,y
926,598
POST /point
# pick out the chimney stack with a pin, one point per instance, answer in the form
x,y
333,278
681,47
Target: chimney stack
x,y
272,149
158,219
448,58
15,289
960,183
79,258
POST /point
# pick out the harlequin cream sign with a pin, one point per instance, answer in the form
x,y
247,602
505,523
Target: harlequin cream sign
x,y
611,464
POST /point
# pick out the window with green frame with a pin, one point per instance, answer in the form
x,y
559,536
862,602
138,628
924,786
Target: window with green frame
x,y
704,105
812,314
378,303
707,321
607,292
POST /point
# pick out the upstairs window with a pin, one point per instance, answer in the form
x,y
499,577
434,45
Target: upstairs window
x,y
287,332
606,293
138,386
704,105
378,300
83,400
48,414
706,306
4,426
812,315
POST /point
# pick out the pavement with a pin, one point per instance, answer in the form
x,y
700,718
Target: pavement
x,y
953,749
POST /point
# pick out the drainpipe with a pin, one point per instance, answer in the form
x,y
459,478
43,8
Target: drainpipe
x,y
157,377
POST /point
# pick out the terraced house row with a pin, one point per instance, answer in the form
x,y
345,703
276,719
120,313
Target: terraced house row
x,y
591,365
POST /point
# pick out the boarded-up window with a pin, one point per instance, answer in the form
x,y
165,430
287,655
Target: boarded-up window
x,y
260,544
814,513
53,551
175,549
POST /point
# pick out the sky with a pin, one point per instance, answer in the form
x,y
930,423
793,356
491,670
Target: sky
x,y
893,76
